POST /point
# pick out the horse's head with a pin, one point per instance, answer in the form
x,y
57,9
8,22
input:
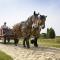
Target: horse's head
x,y
41,21
36,21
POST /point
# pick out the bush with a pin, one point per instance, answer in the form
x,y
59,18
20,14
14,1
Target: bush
x,y
50,33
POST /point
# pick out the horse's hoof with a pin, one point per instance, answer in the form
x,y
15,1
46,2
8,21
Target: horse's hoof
x,y
24,46
36,46
28,47
15,44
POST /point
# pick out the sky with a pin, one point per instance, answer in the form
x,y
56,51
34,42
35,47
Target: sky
x,y
15,11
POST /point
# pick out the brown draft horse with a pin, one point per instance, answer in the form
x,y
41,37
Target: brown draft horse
x,y
31,27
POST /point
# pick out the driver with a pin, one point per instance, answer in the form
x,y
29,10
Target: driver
x,y
4,26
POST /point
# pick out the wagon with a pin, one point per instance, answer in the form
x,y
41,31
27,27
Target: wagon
x,y
7,35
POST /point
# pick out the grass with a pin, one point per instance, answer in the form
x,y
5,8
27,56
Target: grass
x,y
4,56
47,42
50,42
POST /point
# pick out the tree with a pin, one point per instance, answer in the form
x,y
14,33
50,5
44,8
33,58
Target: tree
x,y
50,33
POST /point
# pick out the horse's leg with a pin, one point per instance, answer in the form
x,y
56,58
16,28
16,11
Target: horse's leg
x,y
16,41
24,42
27,43
35,42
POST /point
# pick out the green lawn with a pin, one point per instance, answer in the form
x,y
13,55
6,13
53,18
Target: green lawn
x,y
47,42
4,56
50,42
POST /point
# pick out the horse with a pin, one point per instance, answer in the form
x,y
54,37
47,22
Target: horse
x,y
31,27
38,23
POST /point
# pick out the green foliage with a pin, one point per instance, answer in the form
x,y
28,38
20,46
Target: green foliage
x,y
50,33
4,56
